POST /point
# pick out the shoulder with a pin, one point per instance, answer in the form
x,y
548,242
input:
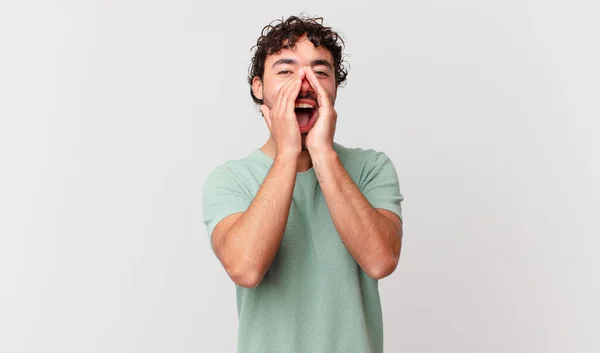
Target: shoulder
x,y
367,166
357,157
241,171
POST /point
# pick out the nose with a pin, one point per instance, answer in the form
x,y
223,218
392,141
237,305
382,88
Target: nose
x,y
306,87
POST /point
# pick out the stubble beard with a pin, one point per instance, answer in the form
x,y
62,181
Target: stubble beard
x,y
303,141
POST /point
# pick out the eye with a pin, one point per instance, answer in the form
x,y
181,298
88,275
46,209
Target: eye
x,y
284,72
321,73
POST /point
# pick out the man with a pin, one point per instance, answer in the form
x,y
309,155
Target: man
x,y
304,226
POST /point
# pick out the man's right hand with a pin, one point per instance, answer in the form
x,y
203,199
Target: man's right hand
x,y
246,242
281,118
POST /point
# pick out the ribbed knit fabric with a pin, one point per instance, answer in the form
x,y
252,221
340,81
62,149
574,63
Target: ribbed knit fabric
x,y
314,298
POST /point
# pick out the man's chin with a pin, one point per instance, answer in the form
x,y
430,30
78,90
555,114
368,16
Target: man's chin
x,y
303,137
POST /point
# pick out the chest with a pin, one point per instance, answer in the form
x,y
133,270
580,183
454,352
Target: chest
x,y
311,243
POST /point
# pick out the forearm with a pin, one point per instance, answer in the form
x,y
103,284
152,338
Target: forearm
x,y
253,240
370,237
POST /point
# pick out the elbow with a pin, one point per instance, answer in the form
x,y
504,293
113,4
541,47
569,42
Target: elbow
x,y
382,267
245,276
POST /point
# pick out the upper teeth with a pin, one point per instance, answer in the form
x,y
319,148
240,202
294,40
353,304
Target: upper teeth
x,y
303,105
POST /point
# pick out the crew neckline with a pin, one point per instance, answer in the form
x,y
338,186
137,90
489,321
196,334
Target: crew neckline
x,y
268,161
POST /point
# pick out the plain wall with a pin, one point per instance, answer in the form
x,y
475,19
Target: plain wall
x,y
114,112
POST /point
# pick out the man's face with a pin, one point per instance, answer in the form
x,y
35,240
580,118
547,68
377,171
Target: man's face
x,y
280,67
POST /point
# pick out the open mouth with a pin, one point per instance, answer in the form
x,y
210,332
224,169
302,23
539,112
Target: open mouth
x,y
305,114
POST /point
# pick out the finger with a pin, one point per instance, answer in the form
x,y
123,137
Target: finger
x,y
266,112
281,105
284,89
289,97
322,95
290,87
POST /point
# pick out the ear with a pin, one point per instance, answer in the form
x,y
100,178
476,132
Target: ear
x,y
257,87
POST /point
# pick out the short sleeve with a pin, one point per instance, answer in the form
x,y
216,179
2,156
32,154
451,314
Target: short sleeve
x,y
380,185
222,196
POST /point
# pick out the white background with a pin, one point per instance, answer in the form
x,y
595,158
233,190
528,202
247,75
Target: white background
x,y
112,114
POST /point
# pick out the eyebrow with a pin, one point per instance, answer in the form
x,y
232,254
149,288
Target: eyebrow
x,y
294,62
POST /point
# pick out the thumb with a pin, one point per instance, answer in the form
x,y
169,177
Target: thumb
x,y
266,114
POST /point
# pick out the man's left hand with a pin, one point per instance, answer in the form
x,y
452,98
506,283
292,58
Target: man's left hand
x,y
320,137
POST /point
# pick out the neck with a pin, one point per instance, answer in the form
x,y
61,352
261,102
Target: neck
x,y
304,161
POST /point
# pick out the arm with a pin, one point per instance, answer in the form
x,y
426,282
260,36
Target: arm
x,y
246,243
372,236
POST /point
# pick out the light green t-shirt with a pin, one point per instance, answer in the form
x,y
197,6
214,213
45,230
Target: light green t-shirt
x,y
314,298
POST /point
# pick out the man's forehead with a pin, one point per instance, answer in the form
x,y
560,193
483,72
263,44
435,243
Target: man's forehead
x,y
296,55
302,49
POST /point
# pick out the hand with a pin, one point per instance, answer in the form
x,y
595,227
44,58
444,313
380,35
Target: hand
x,y
320,137
281,118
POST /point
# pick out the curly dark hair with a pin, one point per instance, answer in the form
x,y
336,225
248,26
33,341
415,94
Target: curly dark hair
x,y
283,34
